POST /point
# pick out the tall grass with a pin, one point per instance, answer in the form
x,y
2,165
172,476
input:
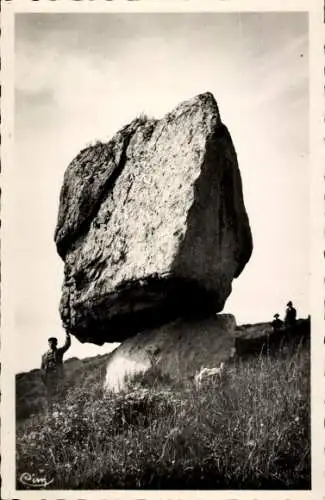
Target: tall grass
x,y
249,429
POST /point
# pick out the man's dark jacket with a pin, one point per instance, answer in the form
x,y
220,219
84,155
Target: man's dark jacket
x,y
52,361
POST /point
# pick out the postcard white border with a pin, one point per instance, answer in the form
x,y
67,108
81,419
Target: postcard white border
x,y
317,207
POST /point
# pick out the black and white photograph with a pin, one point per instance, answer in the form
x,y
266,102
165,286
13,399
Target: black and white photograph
x,y
161,303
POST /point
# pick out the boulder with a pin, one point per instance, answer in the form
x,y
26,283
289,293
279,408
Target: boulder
x,y
254,340
152,225
177,349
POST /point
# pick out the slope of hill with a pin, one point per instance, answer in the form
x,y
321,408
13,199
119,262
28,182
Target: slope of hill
x,y
30,391
88,373
247,429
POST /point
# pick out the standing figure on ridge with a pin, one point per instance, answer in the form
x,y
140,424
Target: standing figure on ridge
x,y
291,314
52,365
277,322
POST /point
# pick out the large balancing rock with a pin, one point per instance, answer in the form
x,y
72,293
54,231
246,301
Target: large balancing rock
x,y
152,225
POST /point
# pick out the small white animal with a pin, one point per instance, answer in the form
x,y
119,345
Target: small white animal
x,y
206,373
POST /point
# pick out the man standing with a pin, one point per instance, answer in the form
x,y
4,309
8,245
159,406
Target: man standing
x,y
52,365
276,323
291,313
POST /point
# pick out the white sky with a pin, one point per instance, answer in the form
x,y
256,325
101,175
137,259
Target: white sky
x,y
81,77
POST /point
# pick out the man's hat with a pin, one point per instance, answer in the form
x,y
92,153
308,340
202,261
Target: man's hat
x,y
276,315
52,339
289,303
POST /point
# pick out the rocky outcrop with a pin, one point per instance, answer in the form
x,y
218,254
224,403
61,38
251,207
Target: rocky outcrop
x,y
177,350
152,225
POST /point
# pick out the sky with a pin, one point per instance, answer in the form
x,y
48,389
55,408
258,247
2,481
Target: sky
x,y
81,77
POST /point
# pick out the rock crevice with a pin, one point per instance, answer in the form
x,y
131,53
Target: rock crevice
x,y
89,178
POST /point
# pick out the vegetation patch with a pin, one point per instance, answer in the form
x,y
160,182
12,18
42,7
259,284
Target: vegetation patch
x,y
250,429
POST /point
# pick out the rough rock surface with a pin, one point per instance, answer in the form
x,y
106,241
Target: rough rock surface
x,y
177,349
152,225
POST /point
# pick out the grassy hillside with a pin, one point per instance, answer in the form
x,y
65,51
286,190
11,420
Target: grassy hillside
x,y
82,373
250,429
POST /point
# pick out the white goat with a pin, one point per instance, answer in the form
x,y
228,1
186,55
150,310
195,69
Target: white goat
x,y
206,373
